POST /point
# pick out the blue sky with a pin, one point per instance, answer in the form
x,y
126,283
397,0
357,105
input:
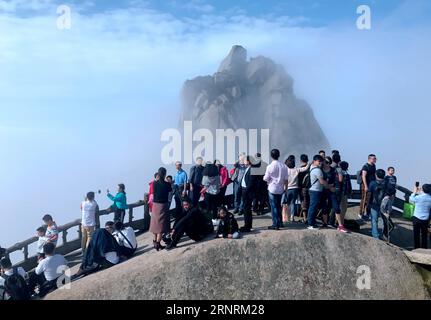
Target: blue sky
x,y
83,109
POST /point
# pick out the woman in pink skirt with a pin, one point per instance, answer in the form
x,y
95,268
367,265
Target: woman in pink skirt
x,y
160,220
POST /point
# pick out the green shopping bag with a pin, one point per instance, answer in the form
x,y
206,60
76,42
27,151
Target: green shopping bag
x,y
409,209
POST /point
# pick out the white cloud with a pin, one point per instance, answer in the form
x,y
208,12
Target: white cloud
x,y
11,6
193,5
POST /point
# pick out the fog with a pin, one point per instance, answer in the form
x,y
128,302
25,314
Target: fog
x,y
83,109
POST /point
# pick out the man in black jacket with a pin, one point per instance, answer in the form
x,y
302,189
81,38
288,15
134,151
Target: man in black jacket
x,y
249,184
195,181
261,194
193,223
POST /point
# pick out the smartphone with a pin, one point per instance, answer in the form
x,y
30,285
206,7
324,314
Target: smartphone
x,y
417,184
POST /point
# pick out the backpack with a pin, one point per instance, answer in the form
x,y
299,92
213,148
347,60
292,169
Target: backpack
x,y
347,185
306,182
16,287
379,193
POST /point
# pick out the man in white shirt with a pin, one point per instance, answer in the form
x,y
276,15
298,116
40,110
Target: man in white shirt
x,y
7,271
48,270
276,175
126,238
89,211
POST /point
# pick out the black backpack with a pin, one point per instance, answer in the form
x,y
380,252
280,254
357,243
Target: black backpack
x,y
379,194
347,185
16,287
306,182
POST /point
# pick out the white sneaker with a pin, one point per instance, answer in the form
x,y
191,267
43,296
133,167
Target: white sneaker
x,y
312,228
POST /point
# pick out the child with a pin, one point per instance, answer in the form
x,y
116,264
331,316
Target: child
x,y
228,226
41,242
51,229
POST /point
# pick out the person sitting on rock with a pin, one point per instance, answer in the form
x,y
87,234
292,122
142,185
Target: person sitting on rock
x,y
126,238
228,226
13,285
102,252
193,223
48,271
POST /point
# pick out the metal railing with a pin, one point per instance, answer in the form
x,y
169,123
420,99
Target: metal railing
x,y
68,246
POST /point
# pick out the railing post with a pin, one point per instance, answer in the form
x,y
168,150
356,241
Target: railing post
x,y
64,236
80,232
25,250
130,215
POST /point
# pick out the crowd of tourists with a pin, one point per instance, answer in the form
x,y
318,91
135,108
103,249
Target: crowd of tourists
x,y
314,193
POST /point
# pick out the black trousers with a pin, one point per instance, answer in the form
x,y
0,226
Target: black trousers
x,y
420,233
186,225
196,194
221,195
127,252
178,190
44,286
260,197
211,202
119,215
247,198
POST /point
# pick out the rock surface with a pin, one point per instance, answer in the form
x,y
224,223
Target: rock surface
x,y
421,256
255,94
289,264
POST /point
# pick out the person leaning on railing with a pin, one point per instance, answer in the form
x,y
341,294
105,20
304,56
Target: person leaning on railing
x,y
421,197
120,203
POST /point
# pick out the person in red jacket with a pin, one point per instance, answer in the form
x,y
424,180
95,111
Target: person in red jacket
x,y
224,181
151,192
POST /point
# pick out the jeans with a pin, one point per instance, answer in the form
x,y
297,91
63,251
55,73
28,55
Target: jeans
x,y
331,205
315,197
275,203
375,214
237,190
291,197
420,233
